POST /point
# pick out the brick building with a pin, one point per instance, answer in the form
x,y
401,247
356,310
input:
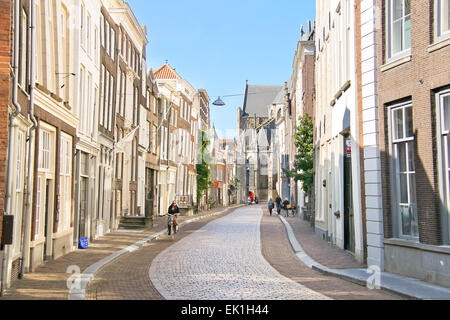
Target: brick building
x,y
412,50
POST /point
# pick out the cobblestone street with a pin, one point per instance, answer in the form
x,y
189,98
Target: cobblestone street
x,y
243,255
223,261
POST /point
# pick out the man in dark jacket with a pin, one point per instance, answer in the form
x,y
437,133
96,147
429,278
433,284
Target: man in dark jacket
x,y
278,202
172,215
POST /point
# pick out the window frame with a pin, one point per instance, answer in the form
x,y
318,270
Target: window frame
x,y
390,56
439,35
83,25
394,170
443,141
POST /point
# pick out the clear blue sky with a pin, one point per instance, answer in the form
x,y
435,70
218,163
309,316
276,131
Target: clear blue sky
x,y
217,45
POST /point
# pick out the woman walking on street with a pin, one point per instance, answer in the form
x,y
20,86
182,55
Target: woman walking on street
x,y
286,206
172,218
271,206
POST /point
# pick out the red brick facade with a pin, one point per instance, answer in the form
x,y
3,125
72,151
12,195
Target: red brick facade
x,y
5,64
415,81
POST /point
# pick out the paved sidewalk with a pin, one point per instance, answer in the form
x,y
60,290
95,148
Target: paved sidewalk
x,y
278,252
319,255
49,281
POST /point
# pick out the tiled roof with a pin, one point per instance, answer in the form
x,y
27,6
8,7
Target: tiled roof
x,y
166,72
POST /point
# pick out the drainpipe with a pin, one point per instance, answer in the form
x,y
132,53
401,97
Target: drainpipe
x,y
32,129
10,135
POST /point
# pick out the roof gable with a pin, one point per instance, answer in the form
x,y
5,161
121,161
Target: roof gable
x,y
259,97
166,72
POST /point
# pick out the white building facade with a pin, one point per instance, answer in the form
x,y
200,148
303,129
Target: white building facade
x,y
338,217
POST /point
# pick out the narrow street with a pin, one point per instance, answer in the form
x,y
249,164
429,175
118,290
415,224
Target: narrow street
x,y
242,255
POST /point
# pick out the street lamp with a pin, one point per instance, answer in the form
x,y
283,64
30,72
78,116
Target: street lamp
x,y
219,102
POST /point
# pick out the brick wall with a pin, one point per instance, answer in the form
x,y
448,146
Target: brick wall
x,y
403,83
308,85
5,62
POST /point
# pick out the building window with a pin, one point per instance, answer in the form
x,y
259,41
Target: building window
x,y
102,30
154,137
65,183
23,52
102,95
82,115
108,37
398,26
106,115
95,44
110,106
44,146
38,208
19,174
135,106
133,160
89,120
165,110
443,112
442,19
113,43
95,110
404,178
82,26
88,35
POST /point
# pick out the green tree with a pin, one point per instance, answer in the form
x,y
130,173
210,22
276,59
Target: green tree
x,y
203,162
304,161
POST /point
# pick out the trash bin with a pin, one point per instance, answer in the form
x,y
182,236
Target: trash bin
x,y
83,243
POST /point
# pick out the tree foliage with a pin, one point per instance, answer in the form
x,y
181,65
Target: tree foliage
x,y
304,161
203,161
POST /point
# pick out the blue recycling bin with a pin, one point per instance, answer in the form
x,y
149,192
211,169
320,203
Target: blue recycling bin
x,y
83,243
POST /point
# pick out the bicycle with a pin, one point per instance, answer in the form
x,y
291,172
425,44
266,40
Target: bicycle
x,y
172,225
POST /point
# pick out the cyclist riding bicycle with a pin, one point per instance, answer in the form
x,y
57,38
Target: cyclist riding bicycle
x,y
172,215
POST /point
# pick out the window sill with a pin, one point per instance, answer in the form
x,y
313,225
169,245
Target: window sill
x,y
396,63
438,45
416,245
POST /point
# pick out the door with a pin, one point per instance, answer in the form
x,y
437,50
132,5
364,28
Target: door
x,y
46,222
149,191
349,224
83,203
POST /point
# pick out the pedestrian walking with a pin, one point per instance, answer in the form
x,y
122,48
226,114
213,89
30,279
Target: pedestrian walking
x,y
278,202
286,206
271,206
172,222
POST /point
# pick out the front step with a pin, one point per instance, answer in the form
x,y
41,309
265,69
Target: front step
x,y
134,223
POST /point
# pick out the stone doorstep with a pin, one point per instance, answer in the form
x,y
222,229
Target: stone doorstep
x,y
88,275
404,286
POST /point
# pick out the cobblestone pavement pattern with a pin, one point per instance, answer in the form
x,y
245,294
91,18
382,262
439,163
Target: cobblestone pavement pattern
x,y
223,260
